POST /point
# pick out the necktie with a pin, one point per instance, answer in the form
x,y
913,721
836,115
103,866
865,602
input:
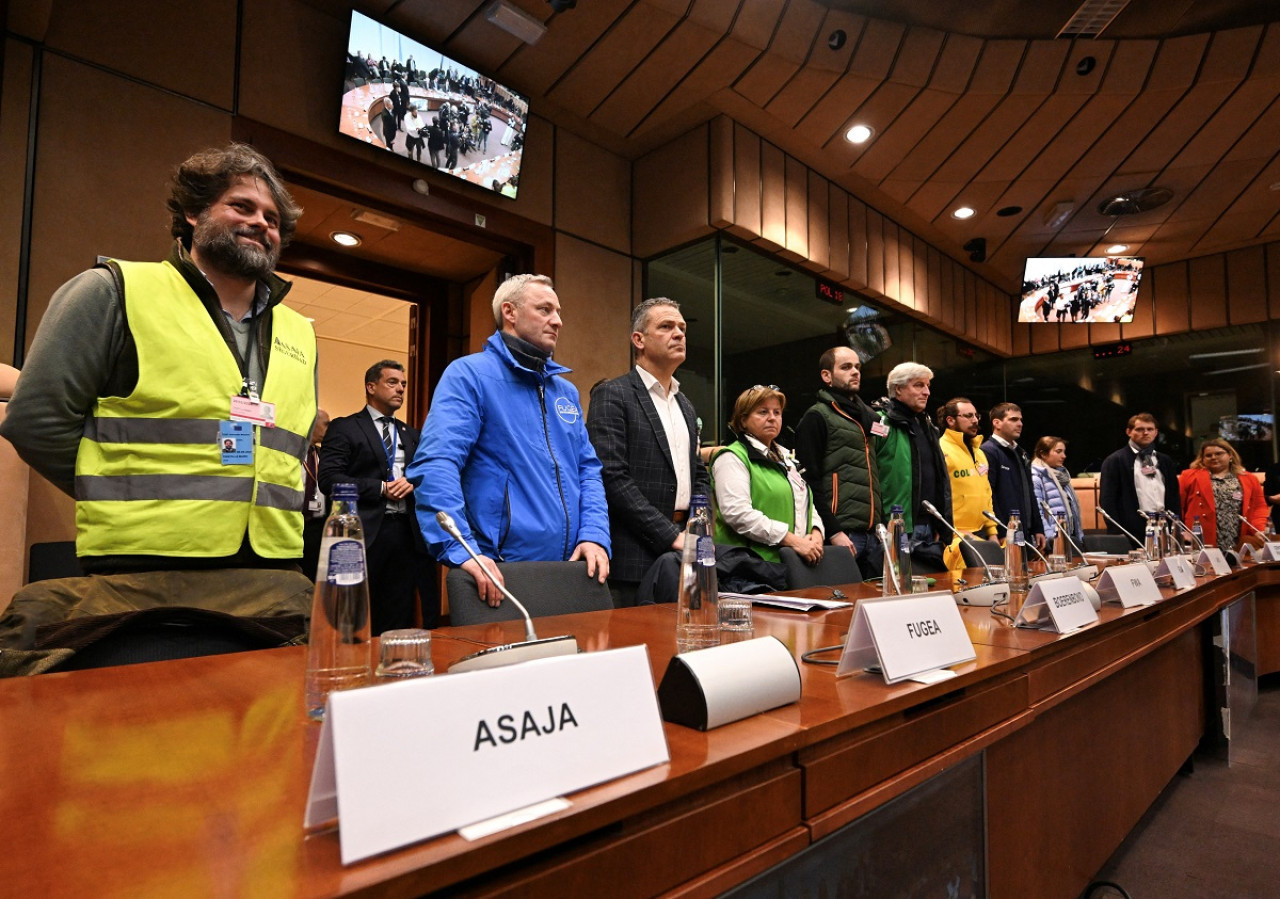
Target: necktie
x,y
387,444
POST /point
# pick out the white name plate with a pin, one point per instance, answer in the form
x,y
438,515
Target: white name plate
x,y
1270,552
1062,605
497,740
906,637
1129,585
1215,559
1179,569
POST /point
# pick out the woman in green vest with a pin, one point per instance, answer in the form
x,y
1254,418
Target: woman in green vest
x,y
762,501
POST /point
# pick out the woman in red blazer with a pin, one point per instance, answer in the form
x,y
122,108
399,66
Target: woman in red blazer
x,y
1218,489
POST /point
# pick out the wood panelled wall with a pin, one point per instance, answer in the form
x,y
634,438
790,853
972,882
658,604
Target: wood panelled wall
x,y
722,176
752,190
1238,287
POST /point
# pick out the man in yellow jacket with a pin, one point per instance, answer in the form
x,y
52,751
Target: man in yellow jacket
x,y
958,419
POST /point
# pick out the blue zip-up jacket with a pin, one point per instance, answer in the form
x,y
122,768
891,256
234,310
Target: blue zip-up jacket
x,y
505,452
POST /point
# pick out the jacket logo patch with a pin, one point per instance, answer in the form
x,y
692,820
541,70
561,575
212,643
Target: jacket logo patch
x,y
287,349
567,411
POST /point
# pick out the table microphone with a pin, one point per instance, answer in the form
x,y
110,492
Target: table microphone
x,y
1136,542
1030,544
989,593
1079,570
1246,523
508,654
1173,516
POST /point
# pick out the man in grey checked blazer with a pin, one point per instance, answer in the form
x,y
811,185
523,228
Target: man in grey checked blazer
x,y
646,435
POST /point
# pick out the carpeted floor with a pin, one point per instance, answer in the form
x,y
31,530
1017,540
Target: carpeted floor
x,y
1216,831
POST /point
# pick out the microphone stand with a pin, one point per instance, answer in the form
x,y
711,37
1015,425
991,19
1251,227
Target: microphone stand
x,y
989,593
1084,563
508,654
1136,542
1030,544
967,538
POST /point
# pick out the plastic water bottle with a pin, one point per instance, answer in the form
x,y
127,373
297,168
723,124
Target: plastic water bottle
x,y
1151,540
897,556
1015,562
1198,530
1168,544
697,617
339,648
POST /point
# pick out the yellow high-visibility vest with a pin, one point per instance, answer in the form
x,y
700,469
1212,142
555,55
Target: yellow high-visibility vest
x,y
149,473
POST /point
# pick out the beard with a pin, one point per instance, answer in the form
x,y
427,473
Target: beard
x,y
220,247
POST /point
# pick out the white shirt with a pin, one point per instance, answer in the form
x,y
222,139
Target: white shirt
x,y
677,431
1150,490
733,498
397,461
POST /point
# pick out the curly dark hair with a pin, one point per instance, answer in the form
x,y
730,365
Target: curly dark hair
x,y
207,175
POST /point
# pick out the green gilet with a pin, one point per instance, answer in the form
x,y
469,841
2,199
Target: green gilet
x,y
849,486
770,495
149,472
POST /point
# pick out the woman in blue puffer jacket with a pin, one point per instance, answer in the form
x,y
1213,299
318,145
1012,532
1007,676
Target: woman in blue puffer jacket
x,y
1052,483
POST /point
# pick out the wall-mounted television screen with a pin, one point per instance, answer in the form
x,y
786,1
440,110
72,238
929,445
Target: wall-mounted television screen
x,y
1253,426
1080,290
406,98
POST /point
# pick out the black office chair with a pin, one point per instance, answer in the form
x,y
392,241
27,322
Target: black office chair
x,y
1112,544
545,588
991,553
838,566
49,561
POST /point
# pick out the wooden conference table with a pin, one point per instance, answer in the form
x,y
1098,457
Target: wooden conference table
x,y
189,778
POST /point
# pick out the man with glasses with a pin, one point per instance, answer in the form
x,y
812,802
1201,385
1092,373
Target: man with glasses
x,y
835,447
1137,476
967,467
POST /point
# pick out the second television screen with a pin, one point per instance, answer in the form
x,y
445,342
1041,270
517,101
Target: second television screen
x,y
402,96
1077,290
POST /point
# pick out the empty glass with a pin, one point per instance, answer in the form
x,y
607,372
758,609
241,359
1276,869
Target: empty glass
x,y
405,653
735,620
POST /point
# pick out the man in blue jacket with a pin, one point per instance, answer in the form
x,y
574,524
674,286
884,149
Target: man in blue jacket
x,y
505,451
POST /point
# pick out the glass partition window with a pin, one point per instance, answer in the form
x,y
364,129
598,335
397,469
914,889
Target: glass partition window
x,y
754,319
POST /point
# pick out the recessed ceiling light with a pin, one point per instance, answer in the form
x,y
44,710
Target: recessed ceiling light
x,y
964,212
345,238
1117,248
859,134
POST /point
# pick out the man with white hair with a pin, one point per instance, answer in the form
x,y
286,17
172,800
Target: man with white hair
x,y
911,464
517,494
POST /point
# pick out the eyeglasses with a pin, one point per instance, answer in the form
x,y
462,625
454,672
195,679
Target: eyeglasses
x,y
976,416
764,387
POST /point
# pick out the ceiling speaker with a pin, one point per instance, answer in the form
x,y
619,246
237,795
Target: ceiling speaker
x,y
977,249
1131,202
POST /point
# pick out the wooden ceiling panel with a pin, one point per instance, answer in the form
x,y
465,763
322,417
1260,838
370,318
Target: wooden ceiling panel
x,y
1173,132
1042,66
825,124
890,104
430,21
726,61
756,22
485,46
1038,130
762,82
919,57
1231,55
1259,141
1075,79
984,142
1224,181
537,69
962,117
798,31
956,63
922,114
998,67
877,49
632,38
1130,66
654,78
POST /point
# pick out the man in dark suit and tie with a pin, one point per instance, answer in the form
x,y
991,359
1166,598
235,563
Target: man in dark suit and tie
x,y
371,450
646,435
